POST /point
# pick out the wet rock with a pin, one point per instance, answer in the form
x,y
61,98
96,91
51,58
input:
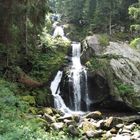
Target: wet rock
x,y
136,135
118,126
113,130
84,138
58,126
94,115
94,134
49,118
88,126
90,134
125,131
69,122
130,127
121,137
107,135
99,123
111,122
73,130
133,118
70,117
76,118
48,111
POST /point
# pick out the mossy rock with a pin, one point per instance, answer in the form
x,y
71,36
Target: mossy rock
x,y
44,99
33,110
29,99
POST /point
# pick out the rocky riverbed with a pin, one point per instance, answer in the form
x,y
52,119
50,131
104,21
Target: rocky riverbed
x,y
92,125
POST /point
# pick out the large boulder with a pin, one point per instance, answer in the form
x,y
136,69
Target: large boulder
x,y
113,74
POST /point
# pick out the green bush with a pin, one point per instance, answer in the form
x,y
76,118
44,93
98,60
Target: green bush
x,y
123,88
104,40
135,43
13,123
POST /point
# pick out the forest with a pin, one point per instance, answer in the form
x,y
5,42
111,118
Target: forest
x,y
69,69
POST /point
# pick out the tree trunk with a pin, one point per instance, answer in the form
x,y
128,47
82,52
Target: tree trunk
x,y
110,24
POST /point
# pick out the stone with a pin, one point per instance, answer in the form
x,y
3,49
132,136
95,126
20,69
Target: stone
x,y
49,118
99,123
69,117
76,118
136,135
48,111
125,131
119,61
98,133
69,122
88,126
107,135
112,122
90,134
120,137
73,130
84,138
113,130
94,134
130,127
94,115
58,126
118,126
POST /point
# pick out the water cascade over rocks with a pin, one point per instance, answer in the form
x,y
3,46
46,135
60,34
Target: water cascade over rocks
x,y
77,99
59,31
58,101
78,76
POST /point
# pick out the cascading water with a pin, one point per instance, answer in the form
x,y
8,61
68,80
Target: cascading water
x,y
75,75
78,74
55,89
79,92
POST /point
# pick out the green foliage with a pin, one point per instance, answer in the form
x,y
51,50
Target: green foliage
x,y
46,64
124,89
121,36
14,121
135,43
134,12
97,63
104,40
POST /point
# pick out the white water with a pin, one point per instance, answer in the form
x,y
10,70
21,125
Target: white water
x,y
87,100
58,31
58,101
75,74
76,71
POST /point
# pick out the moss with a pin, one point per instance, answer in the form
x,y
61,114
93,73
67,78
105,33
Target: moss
x,y
135,43
97,63
104,40
123,88
29,99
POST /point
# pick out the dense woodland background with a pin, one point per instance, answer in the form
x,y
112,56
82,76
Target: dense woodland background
x,y
29,56
21,22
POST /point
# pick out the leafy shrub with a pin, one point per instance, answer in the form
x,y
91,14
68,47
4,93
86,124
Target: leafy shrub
x,y
123,88
135,43
104,40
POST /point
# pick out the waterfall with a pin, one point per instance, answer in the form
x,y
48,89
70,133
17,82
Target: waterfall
x,y
58,31
75,75
78,74
78,97
55,89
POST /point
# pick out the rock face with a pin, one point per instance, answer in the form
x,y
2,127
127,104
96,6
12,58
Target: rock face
x,y
114,74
